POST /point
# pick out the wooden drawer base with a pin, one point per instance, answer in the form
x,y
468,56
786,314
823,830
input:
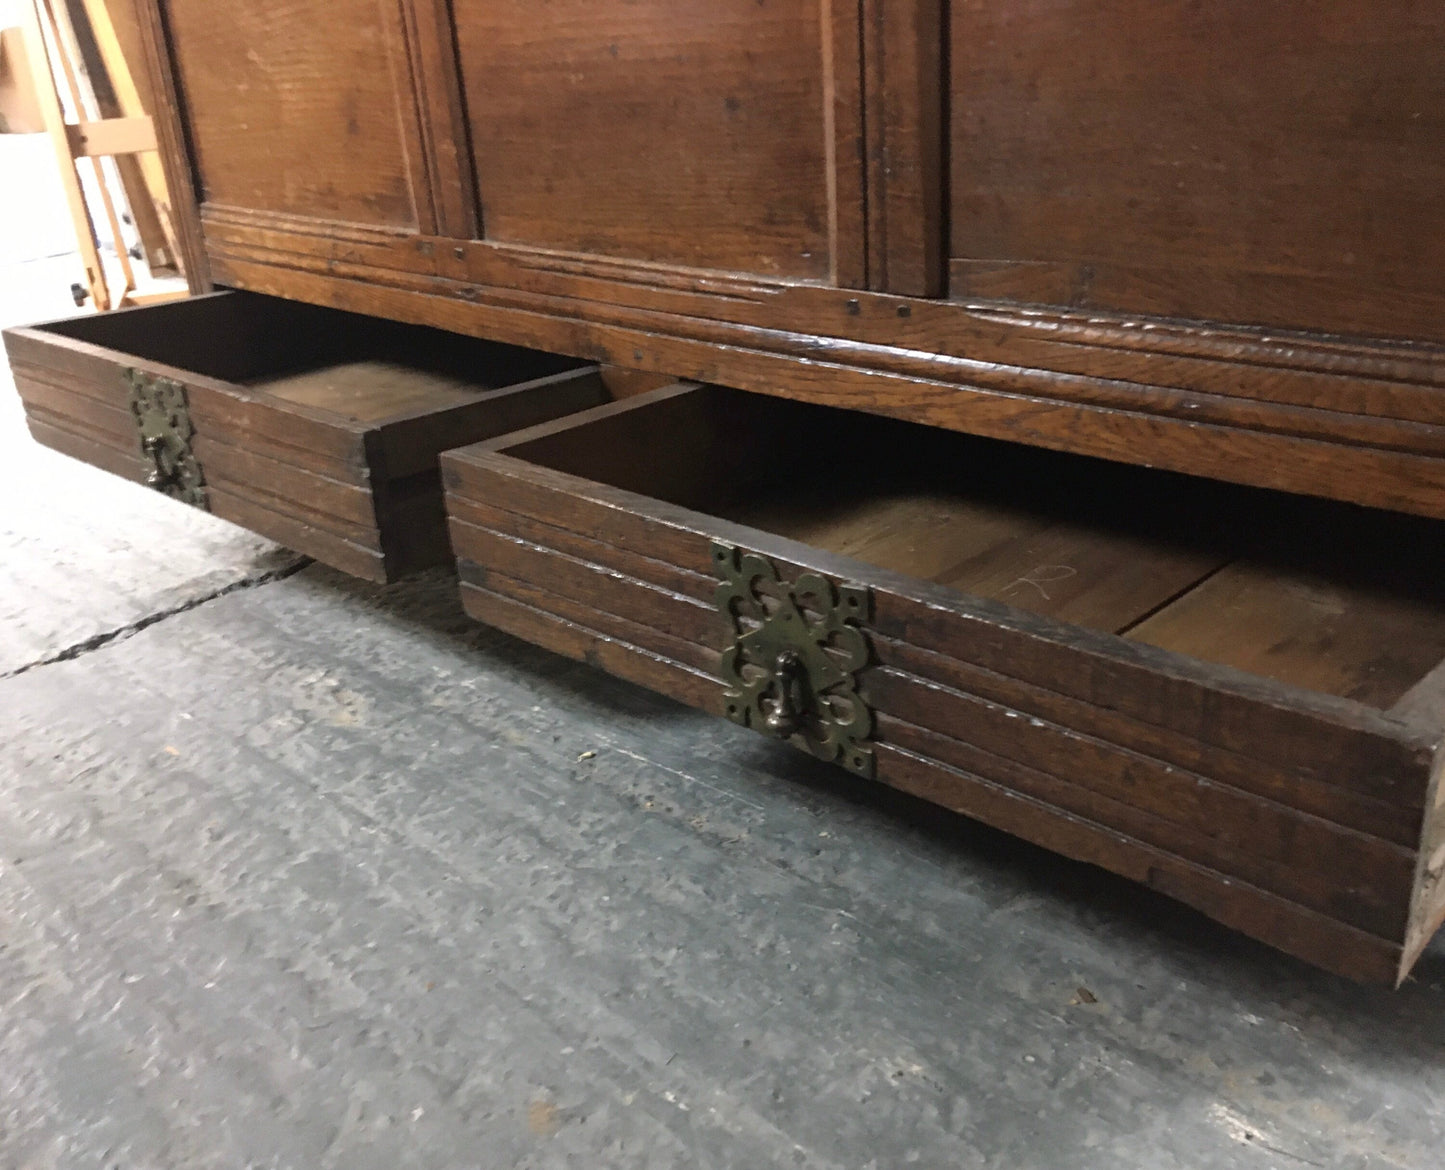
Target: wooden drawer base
x,y
1229,695
316,428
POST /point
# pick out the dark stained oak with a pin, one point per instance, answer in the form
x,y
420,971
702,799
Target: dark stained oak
x,y
316,428
1363,642
984,278
1205,238
904,102
293,107
1291,413
1296,815
154,74
423,54
1079,568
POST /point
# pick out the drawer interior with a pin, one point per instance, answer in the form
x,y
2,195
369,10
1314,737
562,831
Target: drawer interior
x,y
354,366
1330,597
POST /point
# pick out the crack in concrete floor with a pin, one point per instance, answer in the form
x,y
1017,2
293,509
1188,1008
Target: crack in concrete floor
x,y
131,629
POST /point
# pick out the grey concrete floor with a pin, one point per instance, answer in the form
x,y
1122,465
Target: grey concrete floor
x,y
297,872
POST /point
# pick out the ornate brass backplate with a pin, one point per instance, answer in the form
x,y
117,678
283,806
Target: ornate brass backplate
x,y
163,425
791,671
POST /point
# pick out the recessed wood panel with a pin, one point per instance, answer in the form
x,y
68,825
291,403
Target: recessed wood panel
x,y
293,107
686,133
1275,163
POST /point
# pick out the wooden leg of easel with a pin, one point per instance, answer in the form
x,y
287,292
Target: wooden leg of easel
x,y
147,217
153,211
47,98
133,300
66,55
117,95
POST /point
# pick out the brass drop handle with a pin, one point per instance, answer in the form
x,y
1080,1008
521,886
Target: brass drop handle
x,y
790,673
152,447
798,647
164,435
162,474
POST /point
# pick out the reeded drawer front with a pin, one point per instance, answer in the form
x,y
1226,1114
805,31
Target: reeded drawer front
x,y
1230,695
316,428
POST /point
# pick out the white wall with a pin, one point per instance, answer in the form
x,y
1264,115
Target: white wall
x,y
34,220
34,217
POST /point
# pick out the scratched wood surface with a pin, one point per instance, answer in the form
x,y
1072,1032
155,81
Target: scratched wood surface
x,y
370,390
1369,639
1328,598
1103,576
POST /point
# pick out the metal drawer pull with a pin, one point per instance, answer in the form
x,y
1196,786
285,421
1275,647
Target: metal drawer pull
x,y
163,426
791,671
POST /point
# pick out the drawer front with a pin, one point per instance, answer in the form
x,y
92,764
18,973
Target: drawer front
x,y
318,429
81,405
1291,816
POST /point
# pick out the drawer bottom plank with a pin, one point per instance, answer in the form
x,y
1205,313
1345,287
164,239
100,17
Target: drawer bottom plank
x,y
88,450
1313,937
230,503
596,649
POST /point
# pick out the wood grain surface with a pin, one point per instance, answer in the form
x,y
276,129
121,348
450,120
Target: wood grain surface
x,y
1271,163
292,107
318,429
1293,413
692,136
1290,814
1197,240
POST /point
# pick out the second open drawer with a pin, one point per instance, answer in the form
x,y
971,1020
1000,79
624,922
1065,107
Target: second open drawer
x,y
317,428
1232,696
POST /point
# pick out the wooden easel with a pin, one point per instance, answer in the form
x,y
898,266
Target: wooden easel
x,y
50,58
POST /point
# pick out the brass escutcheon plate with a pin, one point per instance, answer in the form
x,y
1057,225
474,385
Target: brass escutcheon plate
x,y
791,671
163,427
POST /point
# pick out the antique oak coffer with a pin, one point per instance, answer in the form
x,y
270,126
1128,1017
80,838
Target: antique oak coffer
x,y
1047,399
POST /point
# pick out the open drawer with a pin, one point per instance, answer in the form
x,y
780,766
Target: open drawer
x,y
317,428
1230,695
